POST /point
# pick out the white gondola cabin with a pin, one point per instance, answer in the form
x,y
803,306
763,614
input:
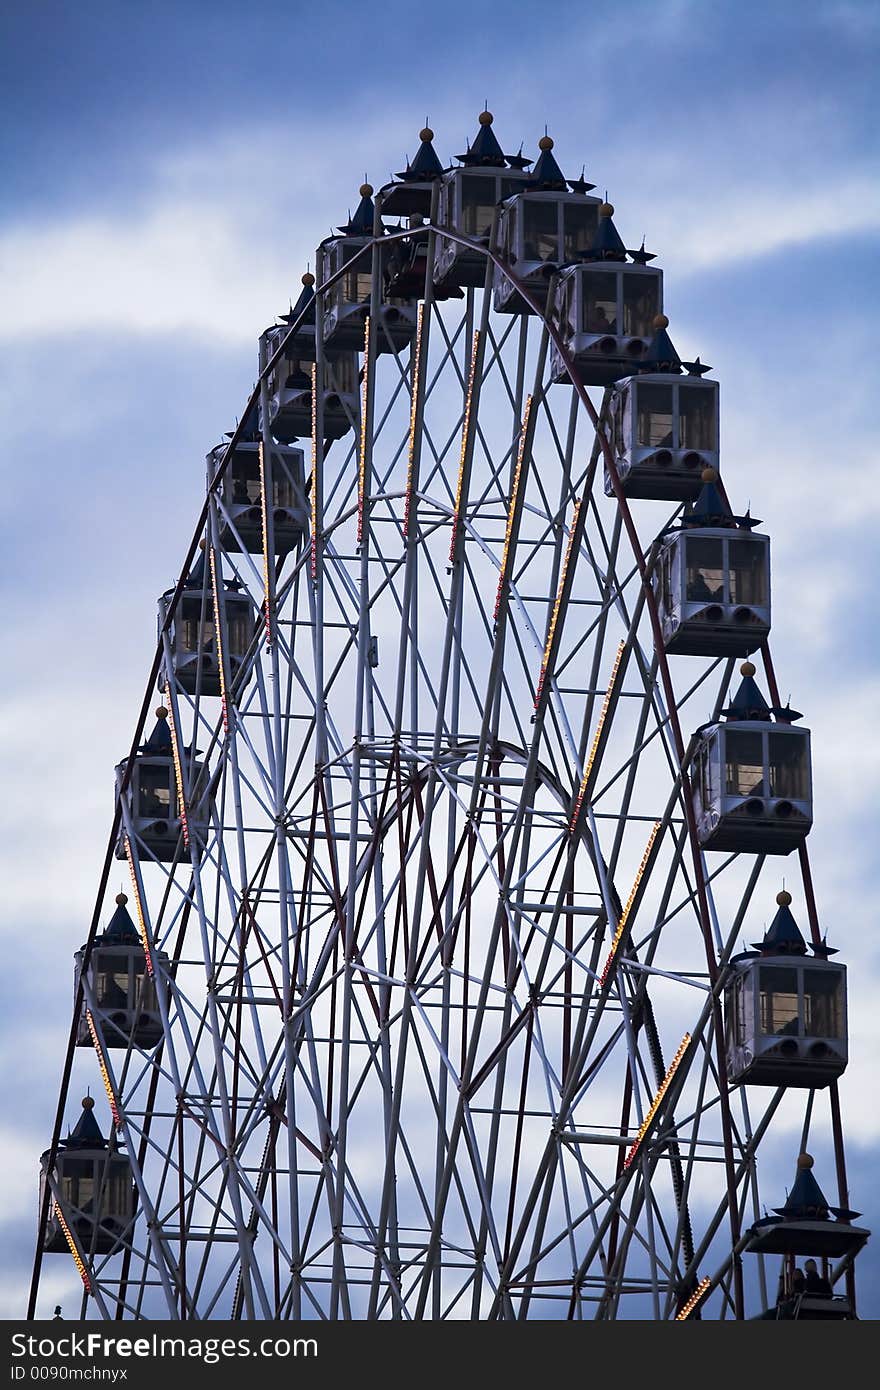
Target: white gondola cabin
x,y
751,779
712,581
152,816
785,1011
290,392
347,301
664,432
92,1185
606,313
411,194
240,496
468,198
119,988
196,653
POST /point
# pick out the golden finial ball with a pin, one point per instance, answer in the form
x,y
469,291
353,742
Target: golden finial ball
x,y
747,669
805,1161
606,209
545,143
426,134
661,321
308,278
366,190
783,898
121,900
709,475
88,1103
486,118
202,543
161,712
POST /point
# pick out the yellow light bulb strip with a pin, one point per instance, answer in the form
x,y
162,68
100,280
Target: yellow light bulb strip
x,y
314,487
362,461
221,663
178,775
267,597
139,911
624,916
102,1067
413,415
600,724
465,441
503,576
658,1099
557,606
77,1258
696,1297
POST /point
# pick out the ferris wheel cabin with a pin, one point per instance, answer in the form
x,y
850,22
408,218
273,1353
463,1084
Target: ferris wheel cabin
x,y
543,226
712,580
785,1011
240,497
118,990
751,777
92,1185
468,198
607,315
290,391
347,300
664,428
195,651
151,806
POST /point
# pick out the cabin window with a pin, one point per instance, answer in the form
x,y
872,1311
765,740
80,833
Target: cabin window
x,y
238,627
116,1196
696,417
154,791
540,230
78,1182
640,305
297,378
111,984
600,302
823,1004
245,482
357,283
341,376
145,990
748,571
283,489
704,569
788,766
478,198
654,426
744,771
196,631
578,229
779,1000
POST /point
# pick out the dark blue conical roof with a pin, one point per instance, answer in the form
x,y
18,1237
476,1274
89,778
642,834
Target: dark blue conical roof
x,y
196,577
160,739
661,355
782,937
709,508
426,165
86,1133
120,928
485,148
748,702
305,304
607,245
580,185
547,173
362,222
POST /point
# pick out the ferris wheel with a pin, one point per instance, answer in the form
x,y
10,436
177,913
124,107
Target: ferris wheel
x,y
443,986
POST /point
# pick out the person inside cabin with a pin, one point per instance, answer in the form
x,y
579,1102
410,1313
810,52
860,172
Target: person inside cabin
x,y
602,322
814,1282
698,590
239,491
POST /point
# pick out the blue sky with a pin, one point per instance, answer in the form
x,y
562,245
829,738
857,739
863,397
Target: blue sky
x,y
167,172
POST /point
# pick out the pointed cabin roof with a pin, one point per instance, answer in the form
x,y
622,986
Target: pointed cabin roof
x,y
86,1133
782,937
806,1201
607,245
305,302
196,577
580,185
120,928
485,148
160,739
748,702
547,173
661,355
362,222
426,165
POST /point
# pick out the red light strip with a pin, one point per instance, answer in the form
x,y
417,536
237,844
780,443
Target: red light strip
x,y
624,916
221,664
603,714
145,940
102,1067
656,1102
77,1259
551,631
178,771
696,1297
465,439
503,575
362,462
314,487
413,412
267,605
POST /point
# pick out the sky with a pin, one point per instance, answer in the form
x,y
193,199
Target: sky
x,y
167,171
